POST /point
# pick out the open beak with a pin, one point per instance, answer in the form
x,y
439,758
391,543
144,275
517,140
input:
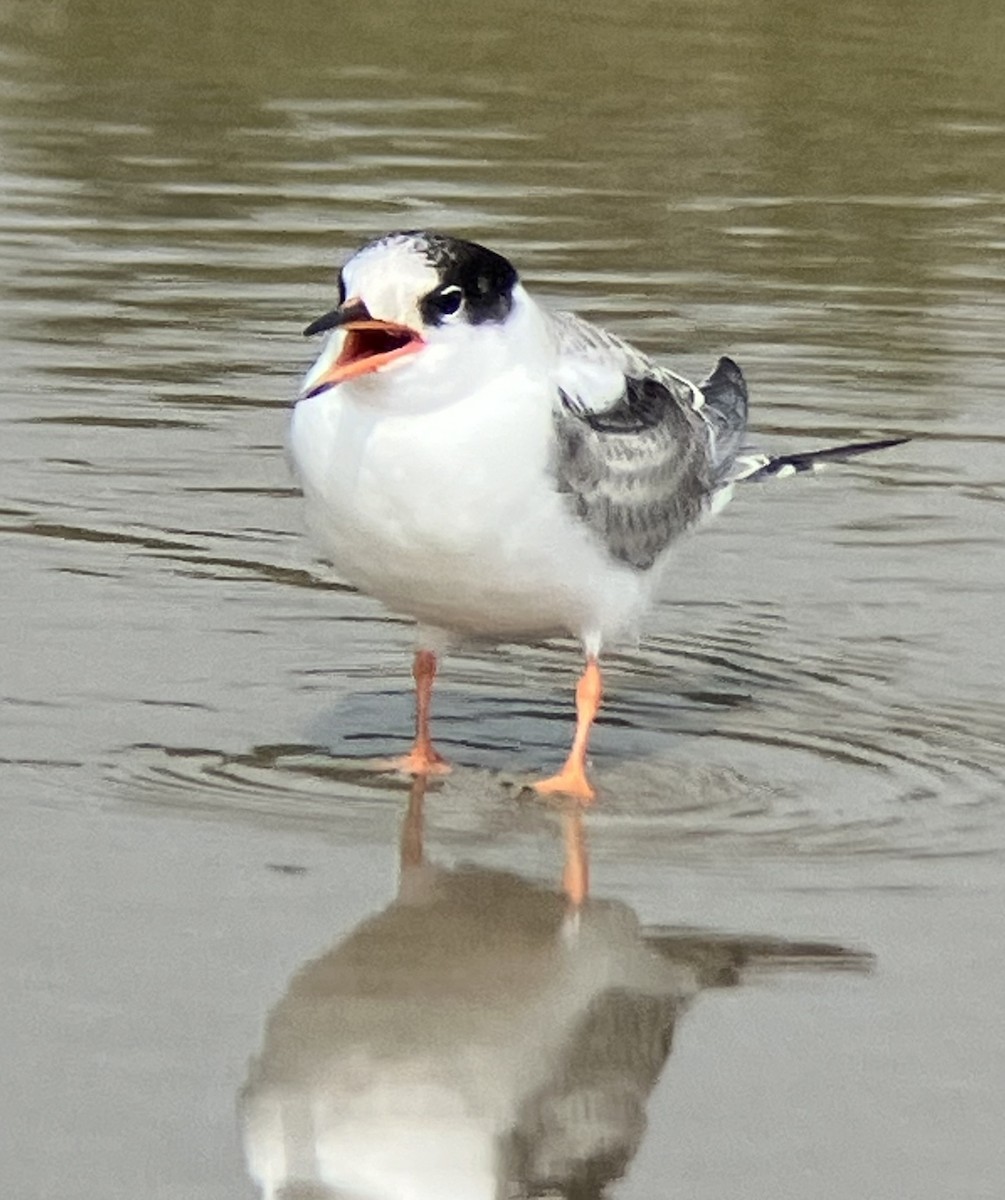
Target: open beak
x,y
368,346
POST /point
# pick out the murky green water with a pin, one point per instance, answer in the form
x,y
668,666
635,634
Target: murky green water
x,y
804,759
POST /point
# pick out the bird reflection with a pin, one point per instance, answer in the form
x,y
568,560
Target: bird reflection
x,y
482,1037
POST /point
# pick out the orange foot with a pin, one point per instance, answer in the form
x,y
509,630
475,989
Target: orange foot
x,y
420,760
570,781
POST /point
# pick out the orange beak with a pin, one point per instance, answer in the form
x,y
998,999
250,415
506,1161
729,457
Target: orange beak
x,y
369,344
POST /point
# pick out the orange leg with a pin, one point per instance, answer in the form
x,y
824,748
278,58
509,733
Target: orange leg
x,y
572,780
422,759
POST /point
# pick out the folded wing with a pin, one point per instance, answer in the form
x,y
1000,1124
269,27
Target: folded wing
x,y
636,452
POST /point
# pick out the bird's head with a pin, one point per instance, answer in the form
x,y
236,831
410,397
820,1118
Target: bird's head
x,y
421,318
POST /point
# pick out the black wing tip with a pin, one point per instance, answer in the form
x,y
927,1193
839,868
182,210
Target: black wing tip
x,y
884,444
810,459
854,449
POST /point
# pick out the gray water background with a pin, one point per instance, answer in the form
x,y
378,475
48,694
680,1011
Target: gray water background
x,y
809,741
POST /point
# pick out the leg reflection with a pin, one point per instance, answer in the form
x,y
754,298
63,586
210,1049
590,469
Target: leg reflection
x,y
576,871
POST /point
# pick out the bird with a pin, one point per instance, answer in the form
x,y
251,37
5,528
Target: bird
x,y
501,472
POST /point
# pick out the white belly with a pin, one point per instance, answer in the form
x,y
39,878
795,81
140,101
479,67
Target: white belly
x,y
452,517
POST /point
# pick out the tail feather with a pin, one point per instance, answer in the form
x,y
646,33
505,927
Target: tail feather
x,y
725,410
790,464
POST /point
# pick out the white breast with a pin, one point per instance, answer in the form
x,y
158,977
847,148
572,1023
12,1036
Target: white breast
x,y
452,516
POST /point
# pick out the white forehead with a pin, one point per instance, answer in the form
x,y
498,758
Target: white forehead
x,y
390,277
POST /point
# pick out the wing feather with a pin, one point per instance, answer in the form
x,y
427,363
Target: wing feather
x,y
635,453
643,453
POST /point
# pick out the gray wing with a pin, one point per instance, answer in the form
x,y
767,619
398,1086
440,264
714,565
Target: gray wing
x,y
641,451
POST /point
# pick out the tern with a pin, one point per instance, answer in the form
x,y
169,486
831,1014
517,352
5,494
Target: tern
x,y
501,472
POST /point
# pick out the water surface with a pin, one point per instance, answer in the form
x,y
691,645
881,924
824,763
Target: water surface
x,y
807,747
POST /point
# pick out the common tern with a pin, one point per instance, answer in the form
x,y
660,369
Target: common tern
x,y
501,472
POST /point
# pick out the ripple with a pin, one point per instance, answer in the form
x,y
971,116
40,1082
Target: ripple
x,y
694,774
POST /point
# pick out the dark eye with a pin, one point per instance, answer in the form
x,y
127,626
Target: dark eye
x,y
446,301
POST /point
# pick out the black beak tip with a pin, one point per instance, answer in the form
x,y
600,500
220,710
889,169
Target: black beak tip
x,y
351,310
322,324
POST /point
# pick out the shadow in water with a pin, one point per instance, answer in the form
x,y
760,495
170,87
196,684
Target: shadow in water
x,y
483,1036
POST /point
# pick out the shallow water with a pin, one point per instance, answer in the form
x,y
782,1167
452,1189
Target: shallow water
x,y
806,750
